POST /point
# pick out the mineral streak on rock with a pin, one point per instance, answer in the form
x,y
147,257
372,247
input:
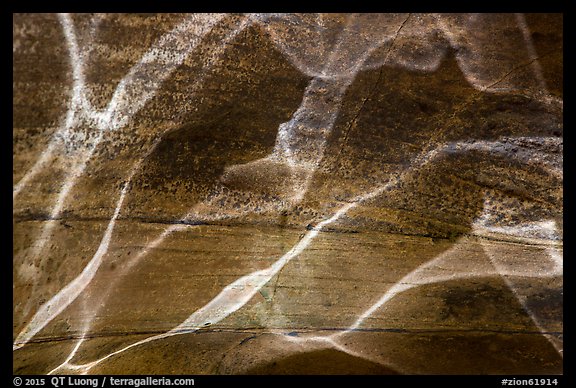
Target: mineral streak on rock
x,y
287,193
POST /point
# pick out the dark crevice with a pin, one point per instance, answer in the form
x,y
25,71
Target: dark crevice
x,y
370,93
435,237
255,331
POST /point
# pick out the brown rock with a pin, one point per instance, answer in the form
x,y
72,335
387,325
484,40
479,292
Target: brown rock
x,y
287,194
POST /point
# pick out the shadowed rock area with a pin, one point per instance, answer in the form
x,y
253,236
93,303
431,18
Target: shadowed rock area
x,y
287,194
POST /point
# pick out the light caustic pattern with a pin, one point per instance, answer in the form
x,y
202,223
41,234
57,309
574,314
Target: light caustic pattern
x,y
313,120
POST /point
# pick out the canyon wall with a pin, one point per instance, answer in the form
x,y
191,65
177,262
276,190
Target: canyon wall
x,y
287,194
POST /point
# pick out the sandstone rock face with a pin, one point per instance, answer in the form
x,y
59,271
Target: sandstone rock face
x,y
287,194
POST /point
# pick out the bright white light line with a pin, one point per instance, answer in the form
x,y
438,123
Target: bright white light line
x,y
237,294
77,106
327,342
411,280
171,229
557,271
294,59
468,70
74,174
134,91
418,278
232,297
133,261
127,98
69,358
222,305
282,150
76,100
69,293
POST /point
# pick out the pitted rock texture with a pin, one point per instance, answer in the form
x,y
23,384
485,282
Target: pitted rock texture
x,y
287,193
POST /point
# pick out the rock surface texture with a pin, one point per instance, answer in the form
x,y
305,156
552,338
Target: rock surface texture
x,y
287,194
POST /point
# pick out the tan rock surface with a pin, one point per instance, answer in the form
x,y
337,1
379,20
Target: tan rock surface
x,y
287,194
